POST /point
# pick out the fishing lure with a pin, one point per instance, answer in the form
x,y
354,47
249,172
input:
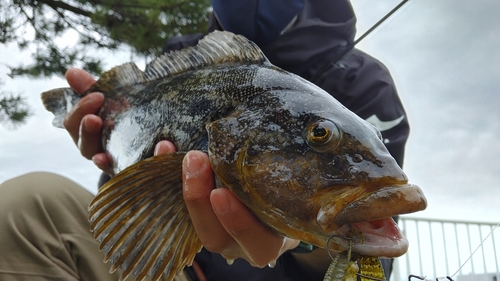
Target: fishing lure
x,y
341,269
370,268
347,267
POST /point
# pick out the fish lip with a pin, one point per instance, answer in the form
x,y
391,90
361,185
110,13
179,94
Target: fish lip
x,y
371,216
379,238
386,202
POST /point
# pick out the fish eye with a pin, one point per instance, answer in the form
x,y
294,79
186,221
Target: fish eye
x,y
323,135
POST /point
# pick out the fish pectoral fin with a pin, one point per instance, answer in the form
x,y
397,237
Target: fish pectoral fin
x,y
141,221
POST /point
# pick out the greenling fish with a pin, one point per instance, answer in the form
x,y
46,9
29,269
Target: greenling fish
x,y
300,161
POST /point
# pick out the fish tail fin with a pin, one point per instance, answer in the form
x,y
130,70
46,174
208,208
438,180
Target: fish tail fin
x,y
59,102
141,221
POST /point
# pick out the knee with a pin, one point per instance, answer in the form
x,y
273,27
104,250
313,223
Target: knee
x,y
43,183
45,187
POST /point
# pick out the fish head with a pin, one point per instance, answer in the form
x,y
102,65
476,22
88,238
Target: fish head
x,y
311,169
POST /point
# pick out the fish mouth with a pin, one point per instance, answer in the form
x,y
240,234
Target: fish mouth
x,y
378,238
368,220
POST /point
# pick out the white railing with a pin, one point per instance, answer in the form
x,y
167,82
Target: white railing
x,y
440,248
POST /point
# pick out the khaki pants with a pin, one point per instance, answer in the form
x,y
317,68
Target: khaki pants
x,y
44,231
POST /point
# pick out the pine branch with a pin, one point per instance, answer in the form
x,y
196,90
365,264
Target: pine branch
x,y
56,5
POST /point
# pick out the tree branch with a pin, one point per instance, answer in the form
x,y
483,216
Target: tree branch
x,y
54,4
161,7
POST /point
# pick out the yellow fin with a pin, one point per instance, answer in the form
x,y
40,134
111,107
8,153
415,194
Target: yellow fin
x,y
141,221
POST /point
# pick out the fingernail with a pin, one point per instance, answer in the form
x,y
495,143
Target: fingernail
x,y
92,98
220,202
86,125
193,162
95,95
97,161
157,148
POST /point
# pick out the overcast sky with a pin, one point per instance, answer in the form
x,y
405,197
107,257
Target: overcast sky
x,y
444,56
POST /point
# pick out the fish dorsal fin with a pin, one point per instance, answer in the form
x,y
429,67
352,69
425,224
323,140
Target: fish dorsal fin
x,y
141,221
123,75
216,48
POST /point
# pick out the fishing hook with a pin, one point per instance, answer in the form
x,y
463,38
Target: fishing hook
x,y
349,240
349,250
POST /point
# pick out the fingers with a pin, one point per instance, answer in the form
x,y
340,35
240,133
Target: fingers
x,y
89,140
223,224
78,79
102,162
81,122
88,105
260,244
164,147
197,186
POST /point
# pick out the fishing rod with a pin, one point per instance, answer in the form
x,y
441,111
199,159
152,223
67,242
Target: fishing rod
x,y
378,23
352,45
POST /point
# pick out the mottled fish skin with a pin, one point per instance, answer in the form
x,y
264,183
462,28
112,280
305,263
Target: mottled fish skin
x,y
304,164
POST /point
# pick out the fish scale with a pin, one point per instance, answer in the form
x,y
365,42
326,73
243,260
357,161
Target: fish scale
x,y
306,166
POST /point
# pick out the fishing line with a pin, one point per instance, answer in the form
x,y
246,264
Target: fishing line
x,y
480,245
352,45
380,22
463,264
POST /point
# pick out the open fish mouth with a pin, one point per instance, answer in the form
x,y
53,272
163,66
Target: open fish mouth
x,y
379,238
368,220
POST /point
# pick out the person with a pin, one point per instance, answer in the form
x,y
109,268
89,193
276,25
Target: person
x,y
307,37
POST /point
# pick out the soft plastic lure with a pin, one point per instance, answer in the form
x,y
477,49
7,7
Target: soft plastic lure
x,y
343,268
347,267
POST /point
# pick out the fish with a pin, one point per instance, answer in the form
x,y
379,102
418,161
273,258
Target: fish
x,y
303,164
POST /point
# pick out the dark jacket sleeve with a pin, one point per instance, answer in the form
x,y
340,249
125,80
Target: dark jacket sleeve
x,y
261,21
215,267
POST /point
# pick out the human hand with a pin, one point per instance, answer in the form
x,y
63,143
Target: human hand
x,y
223,224
82,122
